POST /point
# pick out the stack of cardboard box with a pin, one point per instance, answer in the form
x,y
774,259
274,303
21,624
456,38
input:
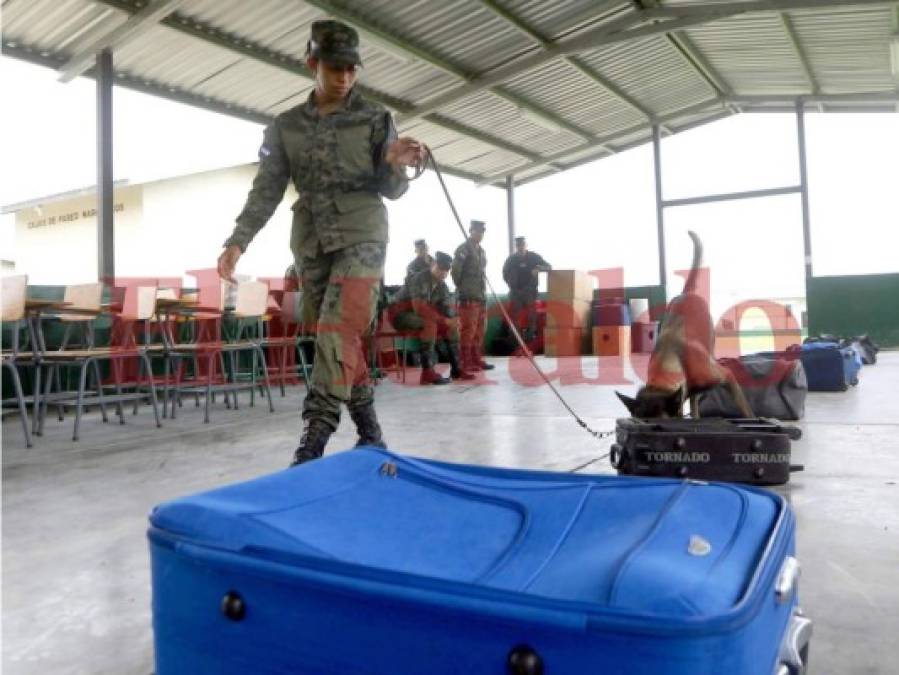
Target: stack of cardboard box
x,y
569,293
611,327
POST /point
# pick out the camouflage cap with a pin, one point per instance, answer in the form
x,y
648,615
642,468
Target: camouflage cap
x,y
519,240
334,42
479,225
443,260
420,242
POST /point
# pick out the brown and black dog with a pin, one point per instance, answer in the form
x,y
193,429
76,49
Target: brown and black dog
x,y
682,364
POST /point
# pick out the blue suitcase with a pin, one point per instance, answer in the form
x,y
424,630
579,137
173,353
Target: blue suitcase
x,y
829,367
369,562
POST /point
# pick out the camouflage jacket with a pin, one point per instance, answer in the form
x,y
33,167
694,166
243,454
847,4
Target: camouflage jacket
x,y
336,163
469,266
423,293
417,266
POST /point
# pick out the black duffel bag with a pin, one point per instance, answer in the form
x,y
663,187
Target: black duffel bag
x,y
775,387
867,348
863,344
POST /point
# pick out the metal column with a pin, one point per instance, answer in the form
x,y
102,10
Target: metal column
x,y
105,242
803,185
510,211
660,208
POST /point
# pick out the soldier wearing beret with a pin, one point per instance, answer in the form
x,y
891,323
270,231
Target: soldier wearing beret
x,y
424,305
469,267
422,260
520,272
342,154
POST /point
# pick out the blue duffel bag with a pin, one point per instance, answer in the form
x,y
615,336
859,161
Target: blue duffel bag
x,y
370,562
830,367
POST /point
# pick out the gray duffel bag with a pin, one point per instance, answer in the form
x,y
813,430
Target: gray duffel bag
x,y
774,384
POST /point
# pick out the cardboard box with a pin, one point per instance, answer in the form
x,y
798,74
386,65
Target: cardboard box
x,y
568,314
612,340
643,336
564,341
569,285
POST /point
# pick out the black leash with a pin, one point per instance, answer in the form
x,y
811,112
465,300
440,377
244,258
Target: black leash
x,y
419,169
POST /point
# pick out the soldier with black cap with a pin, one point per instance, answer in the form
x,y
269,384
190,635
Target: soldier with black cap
x,y
424,305
342,154
422,260
469,268
520,271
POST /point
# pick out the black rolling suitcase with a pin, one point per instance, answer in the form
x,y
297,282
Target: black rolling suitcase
x,y
755,451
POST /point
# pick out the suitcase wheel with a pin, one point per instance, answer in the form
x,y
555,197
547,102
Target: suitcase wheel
x,y
233,606
523,660
615,455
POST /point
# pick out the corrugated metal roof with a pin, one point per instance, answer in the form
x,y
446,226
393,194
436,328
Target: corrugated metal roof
x,y
245,58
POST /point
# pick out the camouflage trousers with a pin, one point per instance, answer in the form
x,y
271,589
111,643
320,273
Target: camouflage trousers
x,y
340,294
473,323
429,329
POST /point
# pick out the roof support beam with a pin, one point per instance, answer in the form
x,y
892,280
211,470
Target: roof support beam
x,y
611,138
755,6
623,29
105,201
396,43
137,24
701,66
561,157
785,99
693,57
800,53
576,63
213,35
622,147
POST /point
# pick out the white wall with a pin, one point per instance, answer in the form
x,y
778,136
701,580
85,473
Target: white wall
x,y
186,220
165,228
179,224
56,242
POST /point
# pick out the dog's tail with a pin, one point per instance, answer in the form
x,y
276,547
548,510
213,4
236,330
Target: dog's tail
x,y
690,285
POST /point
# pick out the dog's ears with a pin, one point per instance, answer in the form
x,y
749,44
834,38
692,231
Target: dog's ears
x,y
629,403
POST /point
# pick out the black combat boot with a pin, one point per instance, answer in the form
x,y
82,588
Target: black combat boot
x,y
478,360
457,367
366,421
428,374
312,443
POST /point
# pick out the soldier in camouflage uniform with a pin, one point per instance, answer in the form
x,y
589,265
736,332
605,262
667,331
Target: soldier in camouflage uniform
x,y
341,152
421,262
469,268
424,305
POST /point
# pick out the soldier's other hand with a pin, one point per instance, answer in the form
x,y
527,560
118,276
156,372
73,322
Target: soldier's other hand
x,y
228,261
453,322
406,152
535,273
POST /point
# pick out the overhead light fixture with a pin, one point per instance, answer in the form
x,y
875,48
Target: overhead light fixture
x,y
894,55
539,120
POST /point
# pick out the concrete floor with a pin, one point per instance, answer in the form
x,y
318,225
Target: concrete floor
x,y
76,586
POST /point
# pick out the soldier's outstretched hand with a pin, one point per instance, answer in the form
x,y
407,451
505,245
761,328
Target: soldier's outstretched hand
x,y
406,152
228,261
